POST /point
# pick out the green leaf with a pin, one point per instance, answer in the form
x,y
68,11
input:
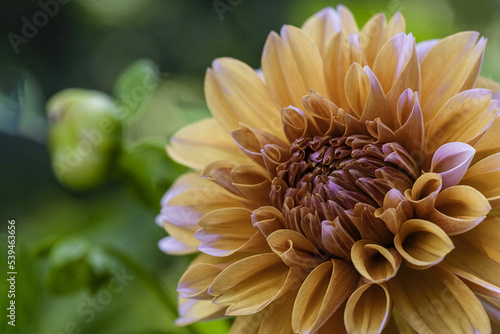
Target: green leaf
x,y
134,86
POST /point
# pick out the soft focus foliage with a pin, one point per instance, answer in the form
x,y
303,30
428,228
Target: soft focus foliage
x,y
148,59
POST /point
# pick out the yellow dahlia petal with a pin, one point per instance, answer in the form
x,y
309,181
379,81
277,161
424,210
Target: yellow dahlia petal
x,y
357,85
194,310
483,176
292,65
488,144
235,94
200,274
395,210
356,156
451,161
253,182
297,123
335,321
220,172
459,209
202,142
424,192
398,325
410,132
422,244
189,198
268,219
397,61
461,118
278,318
368,309
376,103
226,231
436,301
294,249
492,307
247,324
323,112
476,259
375,262
449,68
373,36
322,293
252,141
342,51
323,25
250,284
483,82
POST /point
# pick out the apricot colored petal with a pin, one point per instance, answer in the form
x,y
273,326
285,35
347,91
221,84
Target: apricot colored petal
x,y
249,285
459,209
476,259
368,309
488,144
323,25
450,67
375,262
392,60
483,82
292,65
322,294
294,249
483,175
342,51
235,94
202,142
461,118
410,132
226,231
357,87
436,301
422,244
376,103
195,310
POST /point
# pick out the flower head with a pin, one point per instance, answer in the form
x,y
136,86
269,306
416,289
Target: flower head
x,y
351,187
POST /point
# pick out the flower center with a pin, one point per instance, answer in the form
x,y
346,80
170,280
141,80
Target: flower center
x,y
339,179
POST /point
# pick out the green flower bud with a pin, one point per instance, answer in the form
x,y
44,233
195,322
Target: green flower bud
x,y
84,137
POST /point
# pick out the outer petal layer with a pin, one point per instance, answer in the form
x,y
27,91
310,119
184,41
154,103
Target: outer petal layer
x,y
436,301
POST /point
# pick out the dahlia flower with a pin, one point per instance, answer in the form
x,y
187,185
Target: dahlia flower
x,y
351,185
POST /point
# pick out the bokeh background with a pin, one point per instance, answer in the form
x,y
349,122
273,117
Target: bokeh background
x,y
87,259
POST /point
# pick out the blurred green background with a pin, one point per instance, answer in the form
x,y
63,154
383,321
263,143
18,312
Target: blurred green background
x,y
87,259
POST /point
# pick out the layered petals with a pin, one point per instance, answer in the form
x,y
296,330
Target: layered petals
x,y
422,244
461,118
235,93
322,294
250,284
292,65
476,259
451,66
189,198
436,301
481,175
368,309
200,143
